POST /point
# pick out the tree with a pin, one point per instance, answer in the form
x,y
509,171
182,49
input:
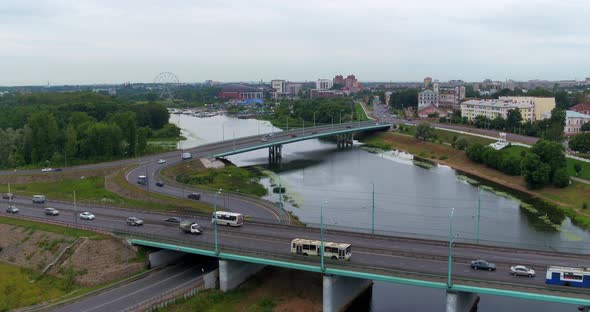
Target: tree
x,y
585,127
142,134
577,168
128,125
551,153
513,119
404,98
71,148
561,178
580,143
43,136
536,173
510,164
553,128
424,131
461,143
474,152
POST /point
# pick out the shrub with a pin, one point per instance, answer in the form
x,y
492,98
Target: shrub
x,y
460,143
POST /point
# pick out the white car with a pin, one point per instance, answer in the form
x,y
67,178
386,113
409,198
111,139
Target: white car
x,y
87,216
522,271
162,161
46,170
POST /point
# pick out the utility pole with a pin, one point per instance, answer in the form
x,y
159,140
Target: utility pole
x,y
75,209
449,283
314,119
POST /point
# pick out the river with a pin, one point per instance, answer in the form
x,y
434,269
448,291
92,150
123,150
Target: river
x,y
408,199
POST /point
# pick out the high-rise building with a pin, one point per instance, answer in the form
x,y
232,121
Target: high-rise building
x,y
324,84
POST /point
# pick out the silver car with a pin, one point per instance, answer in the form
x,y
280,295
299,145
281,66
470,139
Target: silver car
x,y
522,270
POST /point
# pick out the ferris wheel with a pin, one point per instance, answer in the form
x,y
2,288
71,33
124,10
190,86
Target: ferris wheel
x,y
166,82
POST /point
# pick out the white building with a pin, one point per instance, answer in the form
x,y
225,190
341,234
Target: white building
x,y
542,105
280,86
574,121
324,84
426,98
494,108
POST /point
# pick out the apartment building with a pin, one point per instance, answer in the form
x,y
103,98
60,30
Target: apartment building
x,y
542,105
494,108
574,121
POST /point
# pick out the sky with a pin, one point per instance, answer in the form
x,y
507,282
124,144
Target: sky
x,y
112,41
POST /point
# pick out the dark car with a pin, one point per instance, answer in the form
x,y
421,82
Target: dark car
x,y
314,132
173,219
348,127
11,209
7,196
159,183
195,196
482,265
57,169
293,135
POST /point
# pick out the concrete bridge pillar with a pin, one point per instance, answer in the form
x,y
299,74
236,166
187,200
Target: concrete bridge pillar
x,y
233,273
340,291
275,154
459,301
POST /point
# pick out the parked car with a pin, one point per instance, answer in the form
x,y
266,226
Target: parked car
x,y
51,211
87,216
12,209
7,196
173,219
46,170
134,221
162,161
195,196
522,271
159,183
482,265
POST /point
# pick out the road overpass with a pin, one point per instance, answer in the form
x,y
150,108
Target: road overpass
x,y
375,257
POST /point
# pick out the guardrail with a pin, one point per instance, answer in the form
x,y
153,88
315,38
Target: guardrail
x,y
162,300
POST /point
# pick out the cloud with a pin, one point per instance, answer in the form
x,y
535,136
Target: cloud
x,y
115,41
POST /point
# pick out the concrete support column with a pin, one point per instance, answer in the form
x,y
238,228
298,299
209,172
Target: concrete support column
x,y
233,273
340,291
275,154
458,301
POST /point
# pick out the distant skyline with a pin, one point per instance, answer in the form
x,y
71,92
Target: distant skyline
x,y
109,41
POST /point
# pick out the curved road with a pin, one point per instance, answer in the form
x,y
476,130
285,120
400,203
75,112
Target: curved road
x,y
397,256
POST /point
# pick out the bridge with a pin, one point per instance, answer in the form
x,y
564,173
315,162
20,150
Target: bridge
x,y
242,251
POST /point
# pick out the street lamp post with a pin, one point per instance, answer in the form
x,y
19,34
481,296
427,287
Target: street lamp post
x,y
340,116
449,284
372,207
75,209
325,202
478,213
314,119
287,122
215,220
280,201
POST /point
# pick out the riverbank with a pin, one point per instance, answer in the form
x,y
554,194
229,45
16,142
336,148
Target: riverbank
x,y
571,199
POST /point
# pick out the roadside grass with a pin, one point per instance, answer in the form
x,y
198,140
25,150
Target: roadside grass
x,y
584,174
17,290
39,226
360,112
445,136
230,178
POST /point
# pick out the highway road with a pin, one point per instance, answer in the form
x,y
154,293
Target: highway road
x,y
256,208
386,255
138,291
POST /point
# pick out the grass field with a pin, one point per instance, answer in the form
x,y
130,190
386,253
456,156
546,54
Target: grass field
x,y
51,228
360,112
584,174
17,291
445,136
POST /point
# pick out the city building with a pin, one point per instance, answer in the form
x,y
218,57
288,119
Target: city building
x,y
574,121
280,86
339,80
426,98
427,82
583,108
541,105
388,95
494,108
293,88
432,111
241,92
350,83
324,84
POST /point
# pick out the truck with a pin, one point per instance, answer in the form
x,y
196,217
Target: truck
x,y
186,156
191,227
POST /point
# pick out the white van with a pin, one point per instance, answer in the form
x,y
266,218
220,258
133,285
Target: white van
x,y
186,156
39,199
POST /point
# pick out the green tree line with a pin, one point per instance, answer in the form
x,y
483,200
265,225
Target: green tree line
x,y
52,128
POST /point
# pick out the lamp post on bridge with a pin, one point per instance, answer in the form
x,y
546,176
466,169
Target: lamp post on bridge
x,y
478,213
372,207
324,202
449,283
340,116
215,220
280,201
303,120
314,119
